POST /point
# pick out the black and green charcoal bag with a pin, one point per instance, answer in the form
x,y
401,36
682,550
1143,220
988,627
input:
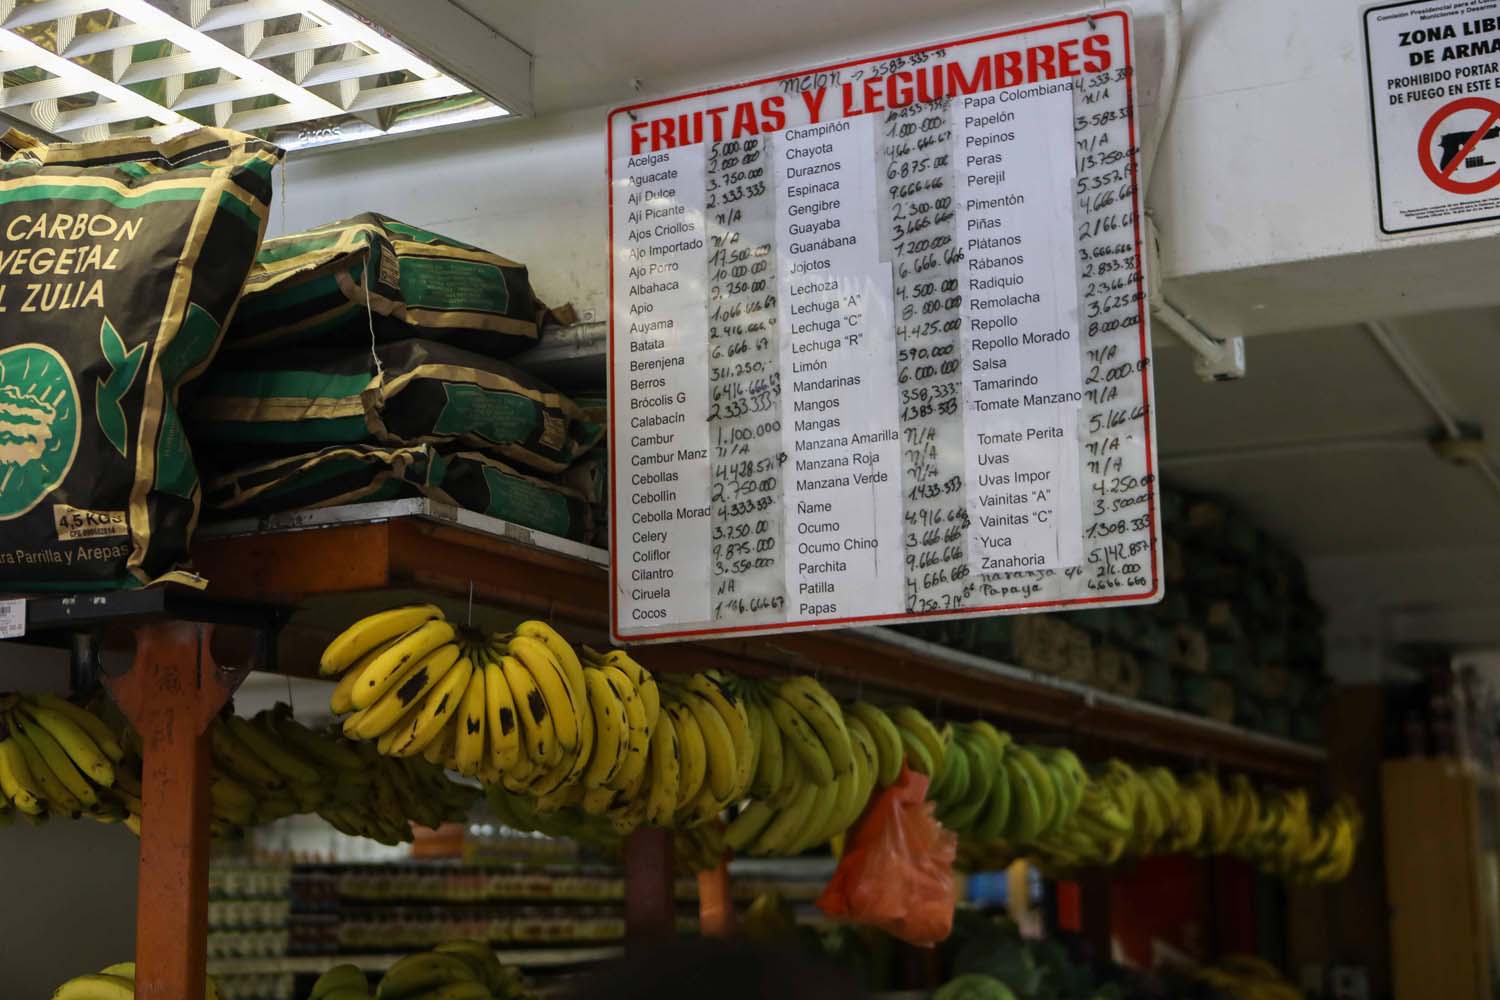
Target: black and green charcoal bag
x,y
121,262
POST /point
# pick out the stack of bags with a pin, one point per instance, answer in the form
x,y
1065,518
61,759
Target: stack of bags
x,y
366,362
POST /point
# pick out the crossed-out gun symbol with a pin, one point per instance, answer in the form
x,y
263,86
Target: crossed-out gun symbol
x,y
1455,141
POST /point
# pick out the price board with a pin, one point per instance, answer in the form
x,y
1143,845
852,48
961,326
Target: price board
x,y
878,341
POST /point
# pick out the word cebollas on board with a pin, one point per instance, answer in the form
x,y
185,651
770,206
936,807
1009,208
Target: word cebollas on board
x,y
878,341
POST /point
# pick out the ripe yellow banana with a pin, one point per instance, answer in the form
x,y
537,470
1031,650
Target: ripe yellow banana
x,y
562,651
97,729
639,676
440,747
372,631
418,974
470,746
501,721
538,732
887,739
396,741
96,987
804,741
60,799
390,667
779,833
552,681
637,729
608,711
437,711
770,758
825,717
693,753
580,758
728,701
666,770
58,760
723,766
381,717
342,699
824,805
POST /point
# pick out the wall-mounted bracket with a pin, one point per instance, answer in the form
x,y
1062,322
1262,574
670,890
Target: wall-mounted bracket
x,y
1217,360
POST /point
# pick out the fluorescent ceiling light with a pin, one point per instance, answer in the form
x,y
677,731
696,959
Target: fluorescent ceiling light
x,y
300,72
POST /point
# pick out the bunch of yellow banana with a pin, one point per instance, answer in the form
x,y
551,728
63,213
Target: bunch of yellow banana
x,y
55,760
113,982
271,767
454,970
1246,977
394,795
1125,811
522,709
611,742
818,765
713,734
671,756
1289,842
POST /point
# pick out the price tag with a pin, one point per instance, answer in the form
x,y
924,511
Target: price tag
x,y
12,619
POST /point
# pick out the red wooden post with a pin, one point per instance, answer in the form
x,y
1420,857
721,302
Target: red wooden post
x,y
716,917
650,887
171,693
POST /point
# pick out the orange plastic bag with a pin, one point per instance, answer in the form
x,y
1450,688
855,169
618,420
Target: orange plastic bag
x,y
897,869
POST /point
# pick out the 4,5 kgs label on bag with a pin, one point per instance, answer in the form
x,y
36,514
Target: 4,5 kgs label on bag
x,y
120,262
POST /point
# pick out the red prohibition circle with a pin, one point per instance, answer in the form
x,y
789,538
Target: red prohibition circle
x,y
1444,178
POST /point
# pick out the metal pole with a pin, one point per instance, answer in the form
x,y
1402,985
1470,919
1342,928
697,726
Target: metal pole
x,y
170,695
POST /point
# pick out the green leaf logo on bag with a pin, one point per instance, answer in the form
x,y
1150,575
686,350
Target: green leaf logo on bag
x,y
109,391
39,426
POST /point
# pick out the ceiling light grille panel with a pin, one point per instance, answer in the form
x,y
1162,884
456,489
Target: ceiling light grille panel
x,y
290,69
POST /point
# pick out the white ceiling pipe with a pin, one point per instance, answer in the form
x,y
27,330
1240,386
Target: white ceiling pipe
x,y
1425,386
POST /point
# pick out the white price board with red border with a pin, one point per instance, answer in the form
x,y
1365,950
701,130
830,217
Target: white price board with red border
x,y
1434,77
878,341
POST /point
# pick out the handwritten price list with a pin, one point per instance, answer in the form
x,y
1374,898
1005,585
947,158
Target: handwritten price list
x,y
882,325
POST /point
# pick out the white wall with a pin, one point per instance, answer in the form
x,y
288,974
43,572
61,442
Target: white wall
x,y
68,900
68,906
531,190
1264,191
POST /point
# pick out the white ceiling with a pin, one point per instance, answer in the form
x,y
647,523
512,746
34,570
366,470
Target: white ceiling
x,y
1324,445
588,52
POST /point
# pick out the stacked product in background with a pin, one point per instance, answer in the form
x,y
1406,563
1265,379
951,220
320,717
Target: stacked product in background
x,y
1238,637
366,362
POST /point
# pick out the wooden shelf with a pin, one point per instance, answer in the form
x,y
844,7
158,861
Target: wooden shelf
x,y
338,563
532,958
